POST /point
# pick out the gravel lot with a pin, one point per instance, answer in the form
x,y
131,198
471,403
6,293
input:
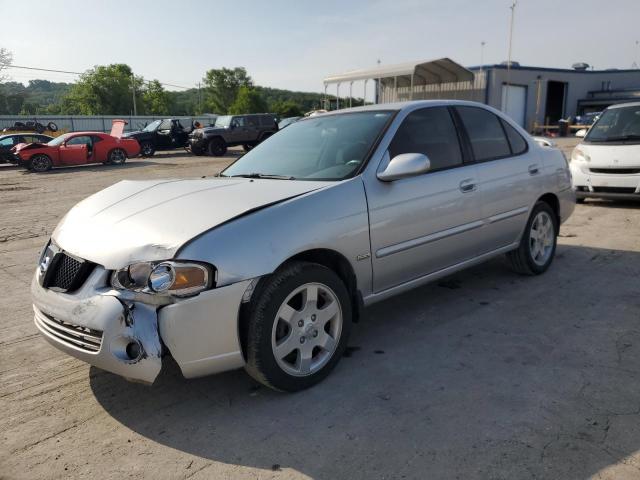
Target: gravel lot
x,y
483,375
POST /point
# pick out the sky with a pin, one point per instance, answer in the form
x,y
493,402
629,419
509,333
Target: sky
x,y
295,44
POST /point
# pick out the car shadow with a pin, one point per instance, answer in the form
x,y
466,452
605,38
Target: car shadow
x,y
97,167
482,374
599,202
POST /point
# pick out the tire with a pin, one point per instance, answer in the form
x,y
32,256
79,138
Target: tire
x,y
40,163
117,156
217,147
52,127
147,149
276,347
247,147
528,258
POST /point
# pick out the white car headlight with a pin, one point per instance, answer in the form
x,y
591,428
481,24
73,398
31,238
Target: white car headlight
x,y
180,279
579,156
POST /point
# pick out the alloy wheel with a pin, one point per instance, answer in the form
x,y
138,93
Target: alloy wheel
x,y
307,329
541,238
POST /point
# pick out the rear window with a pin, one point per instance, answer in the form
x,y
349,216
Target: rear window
x,y
267,120
488,140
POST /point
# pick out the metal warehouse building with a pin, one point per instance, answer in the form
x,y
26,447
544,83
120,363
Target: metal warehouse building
x,y
533,96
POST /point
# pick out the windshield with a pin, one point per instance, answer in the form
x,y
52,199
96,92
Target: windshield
x,y
58,140
223,121
153,126
330,147
616,124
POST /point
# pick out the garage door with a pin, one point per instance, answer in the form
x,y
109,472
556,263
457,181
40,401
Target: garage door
x,y
516,103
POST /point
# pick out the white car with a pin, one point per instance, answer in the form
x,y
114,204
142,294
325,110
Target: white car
x,y
607,162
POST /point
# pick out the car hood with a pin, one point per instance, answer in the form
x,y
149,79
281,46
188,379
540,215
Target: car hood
x,y
150,220
612,156
28,146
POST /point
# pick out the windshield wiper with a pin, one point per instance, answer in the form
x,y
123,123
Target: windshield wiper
x,y
264,175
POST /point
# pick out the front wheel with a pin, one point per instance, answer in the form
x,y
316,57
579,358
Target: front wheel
x,y
298,326
40,163
538,244
117,157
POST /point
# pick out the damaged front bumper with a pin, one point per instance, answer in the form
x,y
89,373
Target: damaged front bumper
x,y
126,333
95,326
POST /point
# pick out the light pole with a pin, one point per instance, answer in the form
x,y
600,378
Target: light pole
x,y
482,44
636,64
506,96
133,91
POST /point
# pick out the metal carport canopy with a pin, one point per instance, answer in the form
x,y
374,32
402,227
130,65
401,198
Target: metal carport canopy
x,y
443,70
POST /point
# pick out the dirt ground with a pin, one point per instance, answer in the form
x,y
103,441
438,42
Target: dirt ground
x,y
485,374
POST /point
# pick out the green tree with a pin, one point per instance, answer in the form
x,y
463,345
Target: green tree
x,y
248,100
222,86
286,108
103,90
156,99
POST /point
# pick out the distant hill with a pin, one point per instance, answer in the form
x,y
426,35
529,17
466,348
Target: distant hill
x,y
41,97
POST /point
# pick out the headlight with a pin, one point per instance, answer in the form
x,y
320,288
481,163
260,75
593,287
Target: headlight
x,y
179,279
579,156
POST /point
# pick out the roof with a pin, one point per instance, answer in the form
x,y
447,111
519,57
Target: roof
x,y
428,72
550,69
399,106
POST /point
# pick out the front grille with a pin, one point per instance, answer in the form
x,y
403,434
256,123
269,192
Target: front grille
x,y
67,273
616,171
614,189
69,334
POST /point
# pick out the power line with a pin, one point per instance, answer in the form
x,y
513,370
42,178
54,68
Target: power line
x,y
81,73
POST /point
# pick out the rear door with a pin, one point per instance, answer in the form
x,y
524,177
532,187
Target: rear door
x,y
425,223
509,176
76,150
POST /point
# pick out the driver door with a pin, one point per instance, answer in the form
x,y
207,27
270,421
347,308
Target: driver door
x,y
428,222
163,135
76,150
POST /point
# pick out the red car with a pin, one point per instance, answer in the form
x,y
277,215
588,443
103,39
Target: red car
x,y
77,148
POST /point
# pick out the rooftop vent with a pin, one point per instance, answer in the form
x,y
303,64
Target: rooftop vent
x,y
580,66
506,63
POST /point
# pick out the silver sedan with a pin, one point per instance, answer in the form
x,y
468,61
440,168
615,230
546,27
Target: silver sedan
x,y
268,265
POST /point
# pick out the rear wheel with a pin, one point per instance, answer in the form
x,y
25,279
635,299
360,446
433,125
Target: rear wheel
x,y
247,146
298,326
217,147
538,244
117,157
147,149
40,163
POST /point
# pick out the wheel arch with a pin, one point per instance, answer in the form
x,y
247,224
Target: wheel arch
x,y
553,201
326,257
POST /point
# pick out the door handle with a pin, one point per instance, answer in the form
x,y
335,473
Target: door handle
x,y
467,185
533,169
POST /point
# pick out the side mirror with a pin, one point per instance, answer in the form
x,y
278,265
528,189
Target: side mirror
x,y
581,133
405,165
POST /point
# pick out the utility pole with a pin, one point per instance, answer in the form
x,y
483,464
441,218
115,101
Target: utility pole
x,y
482,44
636,64
133,91
513,11
199,98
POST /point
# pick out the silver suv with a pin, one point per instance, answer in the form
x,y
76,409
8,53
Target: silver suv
x,y
231,130
268,265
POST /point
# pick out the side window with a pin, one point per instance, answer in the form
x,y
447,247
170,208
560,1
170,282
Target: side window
x,y
252,121
267,121
429,131
7,142
81,140
486,135
96,139
165,125
518,144
238,121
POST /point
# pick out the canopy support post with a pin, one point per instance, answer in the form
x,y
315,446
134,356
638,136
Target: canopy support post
x,y
350,92
364,95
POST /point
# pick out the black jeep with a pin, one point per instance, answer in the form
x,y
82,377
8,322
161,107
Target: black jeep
x,y
229,130
164,134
